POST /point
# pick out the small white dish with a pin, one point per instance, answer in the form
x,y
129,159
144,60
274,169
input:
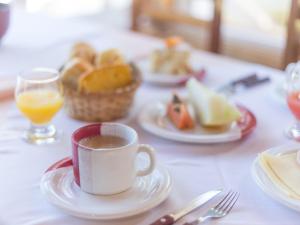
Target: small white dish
x,y
267,186
58,186
166,79
154,120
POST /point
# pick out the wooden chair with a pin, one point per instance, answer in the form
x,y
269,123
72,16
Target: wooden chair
x,y
165,11
292,48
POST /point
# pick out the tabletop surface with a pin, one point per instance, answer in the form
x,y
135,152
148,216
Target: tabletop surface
x,y
194,168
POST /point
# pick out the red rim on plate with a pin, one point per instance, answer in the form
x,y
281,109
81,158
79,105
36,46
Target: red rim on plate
x,y
198,75
248,121
242,128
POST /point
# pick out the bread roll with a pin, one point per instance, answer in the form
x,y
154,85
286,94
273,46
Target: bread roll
x,y
109,58
73,69
84,51
105,78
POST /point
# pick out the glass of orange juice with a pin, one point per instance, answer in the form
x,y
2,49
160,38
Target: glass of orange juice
x,y
38,96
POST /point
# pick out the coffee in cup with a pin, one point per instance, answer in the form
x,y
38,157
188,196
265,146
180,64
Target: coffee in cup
x,y
100,142
104,157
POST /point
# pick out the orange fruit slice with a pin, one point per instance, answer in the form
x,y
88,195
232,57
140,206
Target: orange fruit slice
x,y
173,41
178,113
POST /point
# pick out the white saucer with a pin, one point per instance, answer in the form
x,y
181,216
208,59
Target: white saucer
x,y
266,185
166,79
154,120
58,186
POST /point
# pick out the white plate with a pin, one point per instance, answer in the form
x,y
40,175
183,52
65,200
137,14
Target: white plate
x,y
267,186
166,79
58,186
154,120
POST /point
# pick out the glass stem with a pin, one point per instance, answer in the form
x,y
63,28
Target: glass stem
x,y
297,124
39,134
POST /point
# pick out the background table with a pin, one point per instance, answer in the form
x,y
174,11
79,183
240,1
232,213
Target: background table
x,y
39,41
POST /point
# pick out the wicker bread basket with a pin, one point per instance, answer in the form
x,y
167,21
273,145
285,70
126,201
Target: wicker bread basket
x,y
102,106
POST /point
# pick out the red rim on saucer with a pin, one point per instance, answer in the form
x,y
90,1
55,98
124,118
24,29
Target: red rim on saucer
x,y
65,162
58,187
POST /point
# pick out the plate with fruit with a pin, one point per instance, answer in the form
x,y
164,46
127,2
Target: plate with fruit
x,y
203,116
170,65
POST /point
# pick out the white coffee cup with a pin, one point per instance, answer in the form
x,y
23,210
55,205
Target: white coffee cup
x,y
109,170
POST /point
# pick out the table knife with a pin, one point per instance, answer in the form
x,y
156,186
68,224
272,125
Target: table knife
x,y
244,83
197,202
232,85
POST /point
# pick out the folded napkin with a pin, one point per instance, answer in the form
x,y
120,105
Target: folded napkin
x,y
283,171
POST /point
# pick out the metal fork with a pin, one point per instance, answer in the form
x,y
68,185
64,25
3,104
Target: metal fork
x,y
220,210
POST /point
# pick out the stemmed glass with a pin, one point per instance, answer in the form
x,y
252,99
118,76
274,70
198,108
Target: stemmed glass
x,y
293,101
39,97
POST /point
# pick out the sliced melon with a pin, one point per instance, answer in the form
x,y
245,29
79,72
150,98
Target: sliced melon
x,y
212,109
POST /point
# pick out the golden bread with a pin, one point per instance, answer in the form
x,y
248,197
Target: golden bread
x,y
73,69
105,78
84,51
102,106
108,58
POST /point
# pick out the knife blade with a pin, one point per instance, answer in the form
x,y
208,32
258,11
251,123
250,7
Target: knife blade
x,y
194,204
244,83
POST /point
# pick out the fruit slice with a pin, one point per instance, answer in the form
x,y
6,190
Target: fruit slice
x,y
173,41
212,109
178,113
106,78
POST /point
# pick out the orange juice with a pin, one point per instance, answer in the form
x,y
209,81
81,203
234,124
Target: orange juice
x,y
39,105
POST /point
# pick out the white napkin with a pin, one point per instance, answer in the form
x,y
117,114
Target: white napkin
x,y
283,171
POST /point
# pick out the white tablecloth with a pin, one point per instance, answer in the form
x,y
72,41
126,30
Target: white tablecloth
x,y
39,41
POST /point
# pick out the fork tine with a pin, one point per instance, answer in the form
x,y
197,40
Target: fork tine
x,y
220,210
223,199
232,203
228,201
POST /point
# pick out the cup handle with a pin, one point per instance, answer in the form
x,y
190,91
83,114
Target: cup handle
x,y
149,150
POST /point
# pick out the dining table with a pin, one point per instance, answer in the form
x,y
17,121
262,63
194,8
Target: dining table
x,y
38,40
